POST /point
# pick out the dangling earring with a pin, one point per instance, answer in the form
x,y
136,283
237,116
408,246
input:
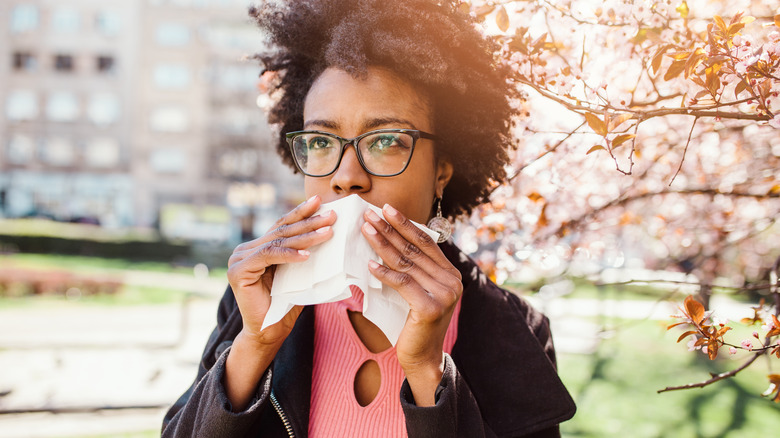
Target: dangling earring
x,y
440,224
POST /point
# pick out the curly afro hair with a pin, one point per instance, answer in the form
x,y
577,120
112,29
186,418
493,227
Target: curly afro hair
x,y
432,45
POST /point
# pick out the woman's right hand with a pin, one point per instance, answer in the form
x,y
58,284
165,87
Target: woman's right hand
x,y
251,269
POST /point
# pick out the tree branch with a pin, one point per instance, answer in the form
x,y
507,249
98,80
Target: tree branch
x,y
715,377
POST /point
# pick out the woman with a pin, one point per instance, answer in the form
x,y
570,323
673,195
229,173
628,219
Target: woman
x,y
394,102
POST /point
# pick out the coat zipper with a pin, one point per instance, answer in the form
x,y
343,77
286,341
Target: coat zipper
x,y
282,415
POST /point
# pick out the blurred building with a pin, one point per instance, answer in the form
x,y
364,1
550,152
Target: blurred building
x,y
118,111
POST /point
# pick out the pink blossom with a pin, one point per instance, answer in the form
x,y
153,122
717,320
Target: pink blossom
x,y
747,344
775,122
732,350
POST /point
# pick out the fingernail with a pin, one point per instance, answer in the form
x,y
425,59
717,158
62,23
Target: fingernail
x,y
310,199
389,210
323,230
303,252
373,216
372,264
368,228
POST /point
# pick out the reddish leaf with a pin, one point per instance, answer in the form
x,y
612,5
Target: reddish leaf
x,y
734,28
502,19
595,148
721,24
679,55
722,331
741,86
777,20
658,58
483,11
674,70
596,124
617,120
712,349
620,139
538,43
774,383
534,196
694,309
686,334
776,327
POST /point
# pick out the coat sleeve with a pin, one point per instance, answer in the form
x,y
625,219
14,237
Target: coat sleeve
x,y
204,409
455,414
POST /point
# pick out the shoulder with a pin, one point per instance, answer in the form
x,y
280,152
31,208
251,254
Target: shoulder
x,y
484,301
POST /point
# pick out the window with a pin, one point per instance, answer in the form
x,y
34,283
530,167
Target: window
x,y
102,153
169,119
168,160
21,105
63,62
105,64
59,152
65,20
21,149
236,77
171,76
108,23
24,61
103,109
172,34
24,18
62,106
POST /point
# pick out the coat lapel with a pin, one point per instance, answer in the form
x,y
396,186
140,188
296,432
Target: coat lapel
x,y
503,361
291,381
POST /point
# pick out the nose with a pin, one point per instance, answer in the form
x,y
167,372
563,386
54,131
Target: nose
x,y
350,177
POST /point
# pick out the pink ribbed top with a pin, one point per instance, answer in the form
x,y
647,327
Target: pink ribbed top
x,y
338,354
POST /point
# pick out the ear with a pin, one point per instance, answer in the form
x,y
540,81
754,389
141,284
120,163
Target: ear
x,y
443,174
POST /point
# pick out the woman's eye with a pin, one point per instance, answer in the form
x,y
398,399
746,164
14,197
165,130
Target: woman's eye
x,y
319,143
384,142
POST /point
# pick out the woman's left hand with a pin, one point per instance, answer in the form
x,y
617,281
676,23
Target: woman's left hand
x,y
419,271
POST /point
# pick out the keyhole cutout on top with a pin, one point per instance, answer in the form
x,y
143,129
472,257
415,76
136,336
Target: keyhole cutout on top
x,y
370,335
367,382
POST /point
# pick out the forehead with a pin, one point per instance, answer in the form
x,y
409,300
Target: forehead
x,y
349,102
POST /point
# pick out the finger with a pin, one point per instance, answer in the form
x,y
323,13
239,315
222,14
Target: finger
x,y
412,243
288,230
423,305
299,242
265,256
437,283
415,235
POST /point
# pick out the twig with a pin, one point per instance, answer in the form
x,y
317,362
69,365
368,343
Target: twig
x,y
715,377
685,151
686,283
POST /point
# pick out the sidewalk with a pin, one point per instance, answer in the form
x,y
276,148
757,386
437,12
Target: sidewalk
x,y
89,357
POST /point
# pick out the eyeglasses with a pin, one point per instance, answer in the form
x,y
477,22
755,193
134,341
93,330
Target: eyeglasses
x,y
384,152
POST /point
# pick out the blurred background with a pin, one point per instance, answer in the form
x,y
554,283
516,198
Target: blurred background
x,y
134,155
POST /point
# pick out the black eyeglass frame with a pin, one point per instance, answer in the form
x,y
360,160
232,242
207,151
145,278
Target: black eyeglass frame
x,y
414,133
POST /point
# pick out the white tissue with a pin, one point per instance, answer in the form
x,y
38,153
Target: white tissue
x,y
336,264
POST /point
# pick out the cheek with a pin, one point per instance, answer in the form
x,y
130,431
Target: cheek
x,y
315,186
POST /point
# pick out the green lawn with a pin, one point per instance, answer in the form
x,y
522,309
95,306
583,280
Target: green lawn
x,y
615,390
84,266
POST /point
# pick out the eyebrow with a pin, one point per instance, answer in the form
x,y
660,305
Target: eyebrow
x,y
367,126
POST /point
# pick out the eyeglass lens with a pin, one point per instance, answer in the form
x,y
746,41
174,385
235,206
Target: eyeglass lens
x,y
382,153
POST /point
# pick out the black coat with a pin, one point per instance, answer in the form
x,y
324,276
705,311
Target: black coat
x,y
500,380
